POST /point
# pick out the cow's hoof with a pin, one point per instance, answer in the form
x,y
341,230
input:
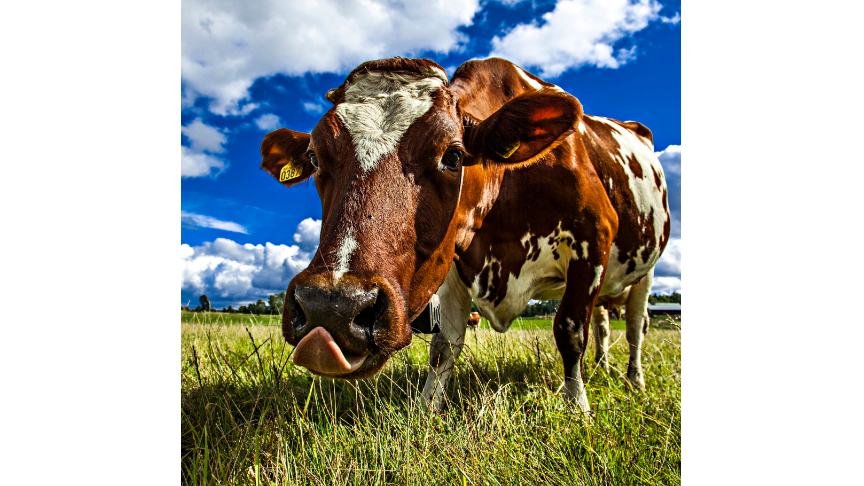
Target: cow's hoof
x,y
636,380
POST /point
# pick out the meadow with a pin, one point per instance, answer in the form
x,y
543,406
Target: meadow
x,y
249,416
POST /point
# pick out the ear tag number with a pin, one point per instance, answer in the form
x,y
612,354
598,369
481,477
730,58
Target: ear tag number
x,y
510,150
289,171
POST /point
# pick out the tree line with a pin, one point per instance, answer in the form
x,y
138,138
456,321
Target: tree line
x,y
273,306
275,302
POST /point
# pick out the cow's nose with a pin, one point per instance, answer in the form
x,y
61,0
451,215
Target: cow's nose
x,y
346,312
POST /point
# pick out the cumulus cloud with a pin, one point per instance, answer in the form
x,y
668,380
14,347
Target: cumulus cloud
x,y
196,164
268,122
231,273
203,221
670,159
671,20
203,137
226,46
666,285
308,233
670,261
509,3
313,107
197,159
577,33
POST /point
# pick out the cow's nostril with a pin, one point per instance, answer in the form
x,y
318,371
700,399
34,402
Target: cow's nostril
x,y
299,317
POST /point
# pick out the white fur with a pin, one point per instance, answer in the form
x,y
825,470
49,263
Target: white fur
x,y
533,83
542,279
574,387
645,192
380,106
598,272
349,244
455,307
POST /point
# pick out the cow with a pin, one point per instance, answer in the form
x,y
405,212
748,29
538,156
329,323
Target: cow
x,y
492,185
474,319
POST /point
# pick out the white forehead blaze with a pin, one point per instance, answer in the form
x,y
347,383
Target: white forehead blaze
x,y
380,106
349,244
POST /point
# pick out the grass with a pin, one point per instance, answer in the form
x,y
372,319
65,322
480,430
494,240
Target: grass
x,y
249,416
217,317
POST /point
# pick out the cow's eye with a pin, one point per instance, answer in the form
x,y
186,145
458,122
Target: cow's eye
x,y
313,159
451,159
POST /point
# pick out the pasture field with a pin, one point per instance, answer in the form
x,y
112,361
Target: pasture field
x,y
249,416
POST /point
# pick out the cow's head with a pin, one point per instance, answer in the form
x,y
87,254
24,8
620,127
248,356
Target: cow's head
x,y
388,161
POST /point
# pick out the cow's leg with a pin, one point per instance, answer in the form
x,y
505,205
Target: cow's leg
x,y
584,280
600,325
446,345
637,326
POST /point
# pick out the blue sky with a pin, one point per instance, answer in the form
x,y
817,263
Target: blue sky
x,y
251,67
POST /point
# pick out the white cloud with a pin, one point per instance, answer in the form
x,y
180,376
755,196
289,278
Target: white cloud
x,y
666,285
203,137
671,20
194,164
670,159
313,108
233,273
577,33
509,3
203,221
308,234
268,122
226,46
670,261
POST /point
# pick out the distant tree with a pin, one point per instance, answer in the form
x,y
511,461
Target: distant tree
x,y
243,309
205,302
674,298
277,301
474,307
230,310
198,308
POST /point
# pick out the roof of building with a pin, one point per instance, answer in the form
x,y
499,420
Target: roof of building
x,y
664,306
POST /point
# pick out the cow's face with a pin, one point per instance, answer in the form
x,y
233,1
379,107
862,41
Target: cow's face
x,y
388,162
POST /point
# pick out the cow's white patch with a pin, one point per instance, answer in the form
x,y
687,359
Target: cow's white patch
x,y
380,106
646,194
349,244
598,272
585,250
574,387
581,127
531,82
542,278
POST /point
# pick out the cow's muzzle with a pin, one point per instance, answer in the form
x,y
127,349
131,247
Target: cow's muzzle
x,y
334,326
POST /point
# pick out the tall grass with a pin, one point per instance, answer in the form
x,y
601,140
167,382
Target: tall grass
x,y
249,416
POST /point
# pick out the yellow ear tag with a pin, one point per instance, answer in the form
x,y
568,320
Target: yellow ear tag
x,y
508,151
289,171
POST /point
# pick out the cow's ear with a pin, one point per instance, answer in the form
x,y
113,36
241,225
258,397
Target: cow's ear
x,y
283,156
526,128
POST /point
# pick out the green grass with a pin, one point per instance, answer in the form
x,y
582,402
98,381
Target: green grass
x,y
531,324
249,416
217,317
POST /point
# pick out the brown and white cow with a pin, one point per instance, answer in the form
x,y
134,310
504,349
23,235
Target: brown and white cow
x,y
493,186
474,319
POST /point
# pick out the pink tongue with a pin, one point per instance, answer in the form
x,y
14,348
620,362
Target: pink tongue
x,y
319,353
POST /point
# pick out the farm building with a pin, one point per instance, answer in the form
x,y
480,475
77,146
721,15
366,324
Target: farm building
x,y
664,309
